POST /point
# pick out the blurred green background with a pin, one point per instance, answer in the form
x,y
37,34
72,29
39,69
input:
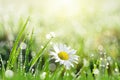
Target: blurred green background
x,y
83,24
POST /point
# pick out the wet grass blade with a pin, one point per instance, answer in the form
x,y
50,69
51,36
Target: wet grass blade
x,y
38,55
28,51
13,51
3,68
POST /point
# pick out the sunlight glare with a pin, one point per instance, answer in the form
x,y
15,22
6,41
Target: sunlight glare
x,y
63,7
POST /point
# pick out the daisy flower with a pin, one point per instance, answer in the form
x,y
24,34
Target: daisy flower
x,y
50,35
64,55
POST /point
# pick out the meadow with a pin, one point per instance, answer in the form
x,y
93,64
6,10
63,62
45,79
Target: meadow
x,y
59,40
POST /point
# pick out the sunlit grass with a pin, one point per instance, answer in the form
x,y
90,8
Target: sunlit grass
x,y
91,27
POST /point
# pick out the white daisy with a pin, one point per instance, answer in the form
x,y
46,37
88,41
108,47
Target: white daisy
x,y
64,55
50,35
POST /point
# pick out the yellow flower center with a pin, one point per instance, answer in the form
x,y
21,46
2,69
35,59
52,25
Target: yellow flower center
x,y
63,55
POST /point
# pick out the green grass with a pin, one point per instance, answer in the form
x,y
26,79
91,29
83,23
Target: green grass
x,y
33,69
84,31
14,52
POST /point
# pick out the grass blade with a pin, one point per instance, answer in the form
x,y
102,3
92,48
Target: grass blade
x,y
13,51
38,55
3,68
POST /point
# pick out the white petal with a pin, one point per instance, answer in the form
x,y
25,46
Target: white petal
x,y
71,64
67,65
74,61
75,57
56,48
66,50
72,51
61,47
52,53
57,60
61,61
